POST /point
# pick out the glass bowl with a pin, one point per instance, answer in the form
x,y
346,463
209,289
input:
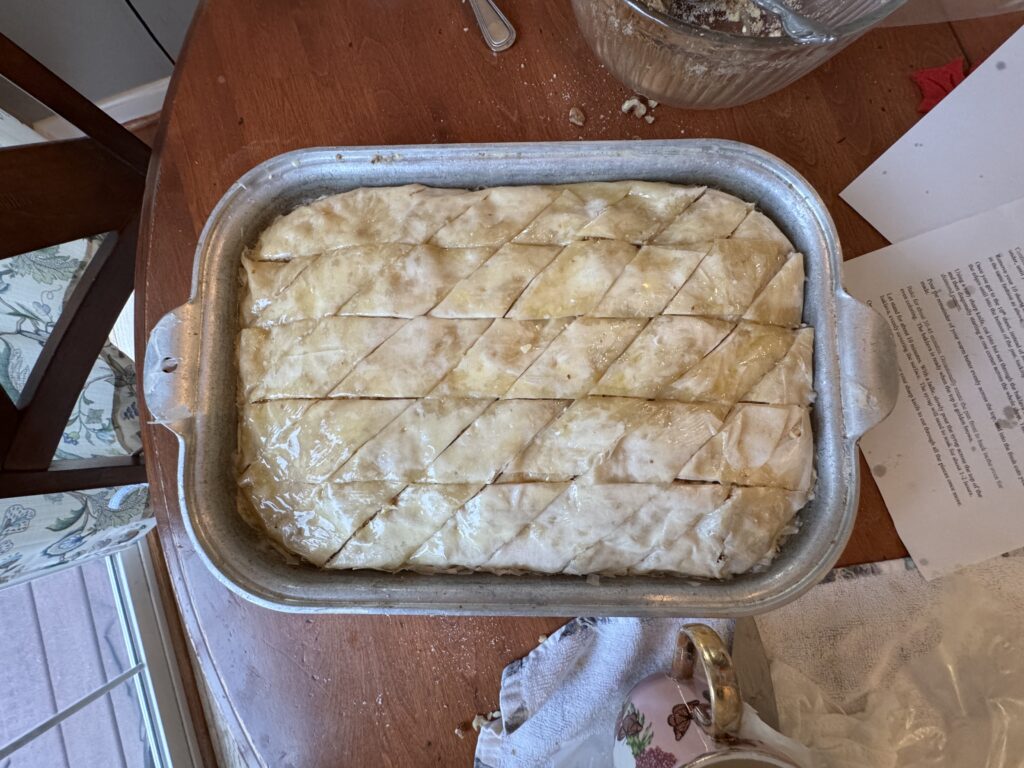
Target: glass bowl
x,y
689,66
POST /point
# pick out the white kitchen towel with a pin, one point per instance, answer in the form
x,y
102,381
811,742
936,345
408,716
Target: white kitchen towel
x,y
868,629
566,693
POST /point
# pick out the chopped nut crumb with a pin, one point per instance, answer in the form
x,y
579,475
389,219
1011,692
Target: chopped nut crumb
x,y
634,106
648,119
652,103
541,638
576,117
479,721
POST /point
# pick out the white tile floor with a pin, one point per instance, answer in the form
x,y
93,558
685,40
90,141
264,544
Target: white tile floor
x,y
88,677
60,639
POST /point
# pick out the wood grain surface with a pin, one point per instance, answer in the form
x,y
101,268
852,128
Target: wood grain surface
x,y
260,77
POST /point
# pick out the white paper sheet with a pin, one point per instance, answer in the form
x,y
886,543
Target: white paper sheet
x,y
950,459
935,11
964,157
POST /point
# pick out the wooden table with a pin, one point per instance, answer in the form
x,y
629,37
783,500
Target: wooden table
x,y
260,77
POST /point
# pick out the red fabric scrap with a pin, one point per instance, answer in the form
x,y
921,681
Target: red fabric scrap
x,y
936,82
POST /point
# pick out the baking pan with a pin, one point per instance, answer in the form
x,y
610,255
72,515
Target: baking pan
x,y
190,376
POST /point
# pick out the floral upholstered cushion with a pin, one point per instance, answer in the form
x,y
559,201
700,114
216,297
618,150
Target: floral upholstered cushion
x,y
33,287
42,532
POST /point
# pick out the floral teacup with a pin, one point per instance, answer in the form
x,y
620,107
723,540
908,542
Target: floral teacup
x,y
691,718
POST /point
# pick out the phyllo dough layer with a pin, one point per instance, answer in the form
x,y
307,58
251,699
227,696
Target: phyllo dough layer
x,y
598,378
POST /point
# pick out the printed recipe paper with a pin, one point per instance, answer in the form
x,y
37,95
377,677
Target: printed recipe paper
x,y
950,459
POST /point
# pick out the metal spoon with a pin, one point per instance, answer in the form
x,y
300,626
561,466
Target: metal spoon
x,y
797,26
498,33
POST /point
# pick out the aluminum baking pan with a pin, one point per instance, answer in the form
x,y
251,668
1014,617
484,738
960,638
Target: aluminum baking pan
x,y
190,378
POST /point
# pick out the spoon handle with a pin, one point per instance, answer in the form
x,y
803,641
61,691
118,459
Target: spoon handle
x,y
799,27
498,32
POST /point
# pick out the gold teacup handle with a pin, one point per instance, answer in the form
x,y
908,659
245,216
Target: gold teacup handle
x,y
699,643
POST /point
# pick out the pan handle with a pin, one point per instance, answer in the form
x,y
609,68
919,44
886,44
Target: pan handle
x,y
870,379
169,369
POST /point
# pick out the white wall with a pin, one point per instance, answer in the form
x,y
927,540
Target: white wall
x,y
169,20
98,46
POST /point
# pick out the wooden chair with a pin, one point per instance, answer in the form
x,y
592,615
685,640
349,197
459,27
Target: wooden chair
x,y
49,194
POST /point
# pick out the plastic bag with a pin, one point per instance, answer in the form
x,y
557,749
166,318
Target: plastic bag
x,y
949,692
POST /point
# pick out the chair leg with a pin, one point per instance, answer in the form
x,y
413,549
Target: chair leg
x,y
69,354
74,475
40,83
8,421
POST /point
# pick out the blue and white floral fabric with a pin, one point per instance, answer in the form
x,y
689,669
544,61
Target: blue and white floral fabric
x,y
38,533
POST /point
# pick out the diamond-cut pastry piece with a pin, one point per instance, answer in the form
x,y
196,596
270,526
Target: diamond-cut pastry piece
x,y
647,208
494,220
782,300
412,361
662,437
766,445
577,519
576,441
575,207
350,218
389,538
307,440
489,520
292,517
575,281
264,280
307,358
713,215
573,362
734,366
662,352
497,436
404,448
369,215
790,382
650,281
413,283
494,362
732,539
492,289
598,195
728,280
261,425
560,221
749,525
313,520
329,281
432,209
667,520
757,226
663,200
